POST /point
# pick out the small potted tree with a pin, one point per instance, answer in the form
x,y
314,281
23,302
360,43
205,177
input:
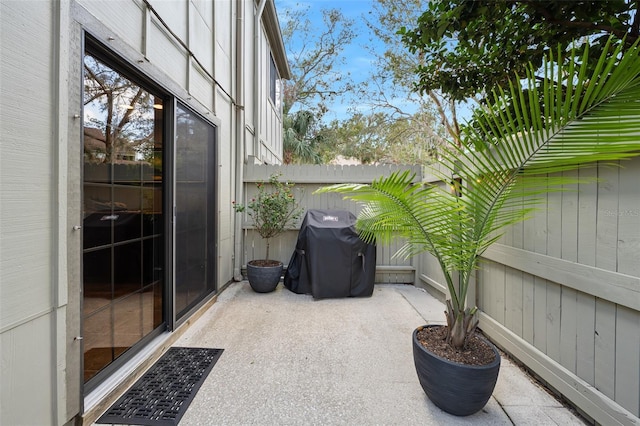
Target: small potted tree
x,y
273,210
506,165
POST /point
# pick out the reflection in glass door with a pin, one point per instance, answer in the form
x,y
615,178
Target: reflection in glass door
x,y
123,231
195,210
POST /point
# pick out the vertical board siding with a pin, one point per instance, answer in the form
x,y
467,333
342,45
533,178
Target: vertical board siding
x,y
225,187
201,86
200,28
163,49
127,23
595,223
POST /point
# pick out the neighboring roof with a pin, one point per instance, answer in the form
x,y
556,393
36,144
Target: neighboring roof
x,y
274,35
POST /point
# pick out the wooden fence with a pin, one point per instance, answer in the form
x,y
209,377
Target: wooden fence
x,y
560,292
307,179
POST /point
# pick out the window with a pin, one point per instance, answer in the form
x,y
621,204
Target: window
x,y
274,83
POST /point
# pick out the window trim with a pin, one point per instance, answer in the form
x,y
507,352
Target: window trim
x,y
274,78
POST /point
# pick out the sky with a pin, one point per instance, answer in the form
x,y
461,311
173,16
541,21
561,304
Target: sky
x,y
357,58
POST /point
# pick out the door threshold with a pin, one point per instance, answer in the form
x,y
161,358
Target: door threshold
x,y
105,394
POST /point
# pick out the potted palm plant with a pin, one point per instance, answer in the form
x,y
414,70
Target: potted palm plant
x,y
513,155
273,209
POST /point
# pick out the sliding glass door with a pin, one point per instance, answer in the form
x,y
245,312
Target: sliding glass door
x,y
123,226
149,212
195,237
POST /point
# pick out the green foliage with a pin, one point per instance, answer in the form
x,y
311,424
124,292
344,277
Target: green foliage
x,y
471,46
496,178
300,138
380,138
313,54
389,86
274,208
124,114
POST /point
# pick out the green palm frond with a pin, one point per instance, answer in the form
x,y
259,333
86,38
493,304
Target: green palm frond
x,y
519,151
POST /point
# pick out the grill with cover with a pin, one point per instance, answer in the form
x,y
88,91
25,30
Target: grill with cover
x,y
330,259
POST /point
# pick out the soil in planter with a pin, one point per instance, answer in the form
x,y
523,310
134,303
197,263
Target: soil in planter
x,y
477,351
263,262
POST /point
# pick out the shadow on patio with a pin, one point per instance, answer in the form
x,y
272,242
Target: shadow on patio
x,y
291,359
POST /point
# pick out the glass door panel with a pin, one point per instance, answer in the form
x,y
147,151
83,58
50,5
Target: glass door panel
x,y
195,210
123,221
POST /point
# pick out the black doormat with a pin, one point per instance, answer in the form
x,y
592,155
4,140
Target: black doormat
x,y
161,396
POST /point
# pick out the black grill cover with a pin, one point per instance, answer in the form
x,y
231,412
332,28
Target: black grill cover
x,y
330,260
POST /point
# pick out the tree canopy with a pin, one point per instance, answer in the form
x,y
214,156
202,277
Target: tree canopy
x,y
314,53
471,46
389,86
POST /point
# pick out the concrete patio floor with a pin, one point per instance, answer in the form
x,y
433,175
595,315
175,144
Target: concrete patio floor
x,y
292,360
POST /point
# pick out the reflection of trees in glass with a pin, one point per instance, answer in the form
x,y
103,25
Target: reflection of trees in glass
x,y
122,111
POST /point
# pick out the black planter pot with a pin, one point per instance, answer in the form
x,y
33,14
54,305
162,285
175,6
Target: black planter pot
x,y
458,389
264,279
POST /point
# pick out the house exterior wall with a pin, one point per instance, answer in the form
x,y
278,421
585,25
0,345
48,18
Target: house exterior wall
x,y
188,47
267,145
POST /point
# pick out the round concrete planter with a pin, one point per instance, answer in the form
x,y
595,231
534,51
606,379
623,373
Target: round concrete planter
x,y
458,389
263,279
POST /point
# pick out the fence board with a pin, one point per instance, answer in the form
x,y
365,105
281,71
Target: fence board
x,y
569,219
492,276
431,274
554,224
585,337
607,219
628,253
513,300
540,314
587,217
539,224
553,320
605,342
627,362
527,306
568,328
